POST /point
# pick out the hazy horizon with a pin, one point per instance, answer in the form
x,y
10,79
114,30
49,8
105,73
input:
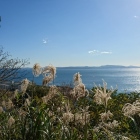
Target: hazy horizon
x,y
96,66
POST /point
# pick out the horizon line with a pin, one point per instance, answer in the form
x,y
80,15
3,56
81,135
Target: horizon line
x,y
98,66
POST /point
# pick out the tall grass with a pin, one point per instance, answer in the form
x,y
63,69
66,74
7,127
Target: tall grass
x,y
66,113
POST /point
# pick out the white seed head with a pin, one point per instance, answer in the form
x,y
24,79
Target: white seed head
x,y
96,129
77,78
4,104
49,70
11,121
50,113
58,109
111,125
27,102
67,117
125,138
106,116
15,93
53,90
80,88
24,85
82,117
130,110
79,91
102,95
36,69
115,124
44,99
9,104
22,113
1,109
47,79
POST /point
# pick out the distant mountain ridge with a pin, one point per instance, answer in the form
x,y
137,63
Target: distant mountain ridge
x,y
119,66
102,66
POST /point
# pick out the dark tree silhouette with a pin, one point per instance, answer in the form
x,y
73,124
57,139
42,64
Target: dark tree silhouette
x,y
11,69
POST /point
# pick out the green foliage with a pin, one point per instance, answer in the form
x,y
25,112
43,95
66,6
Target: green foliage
x,y
41,121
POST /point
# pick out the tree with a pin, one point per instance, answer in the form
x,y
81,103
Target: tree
x,y
11,69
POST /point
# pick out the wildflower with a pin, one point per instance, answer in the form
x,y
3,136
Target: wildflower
x,y
11,121
77,79
130,110
24,85
1,109
102,95
49,70
36,69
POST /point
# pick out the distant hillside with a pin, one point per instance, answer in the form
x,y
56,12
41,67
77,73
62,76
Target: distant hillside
x,y
103,66
119,66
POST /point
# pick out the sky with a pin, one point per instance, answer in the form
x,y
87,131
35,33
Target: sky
x,y
71,32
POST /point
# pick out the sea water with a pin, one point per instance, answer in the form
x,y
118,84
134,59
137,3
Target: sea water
x,y
125,79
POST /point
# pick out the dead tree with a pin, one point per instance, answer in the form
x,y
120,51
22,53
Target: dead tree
x,y
11,69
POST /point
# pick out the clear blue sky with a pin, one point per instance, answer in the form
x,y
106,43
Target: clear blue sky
x,y
72,32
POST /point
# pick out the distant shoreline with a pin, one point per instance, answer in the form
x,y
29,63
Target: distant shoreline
x,y
102,66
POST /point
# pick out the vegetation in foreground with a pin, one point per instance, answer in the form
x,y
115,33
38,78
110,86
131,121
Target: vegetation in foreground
x,y
68,113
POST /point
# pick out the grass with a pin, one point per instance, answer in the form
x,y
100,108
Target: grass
x,y
68,113
63,117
